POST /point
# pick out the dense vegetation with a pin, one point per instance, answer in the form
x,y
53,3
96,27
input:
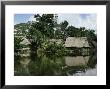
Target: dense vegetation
x,y
47,54
44,28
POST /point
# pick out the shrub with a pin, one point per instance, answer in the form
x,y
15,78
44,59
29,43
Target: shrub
x,y
53,48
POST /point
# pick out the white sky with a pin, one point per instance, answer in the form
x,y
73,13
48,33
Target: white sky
x,y
78,20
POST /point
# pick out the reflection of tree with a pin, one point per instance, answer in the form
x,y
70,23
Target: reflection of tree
x,y
70,70
92,61
37,33
21,67
46,66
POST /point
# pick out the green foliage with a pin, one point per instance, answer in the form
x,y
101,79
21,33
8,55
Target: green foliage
x,y
46,27
21,29
80,32
17,44
47,56
38,31
64,25
34,37
45,24
71,31
52,48
46,66
60,32
17,47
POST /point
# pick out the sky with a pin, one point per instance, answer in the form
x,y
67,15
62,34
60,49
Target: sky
x,y
88,21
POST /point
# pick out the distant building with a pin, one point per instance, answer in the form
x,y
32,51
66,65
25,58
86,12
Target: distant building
x,y
58,41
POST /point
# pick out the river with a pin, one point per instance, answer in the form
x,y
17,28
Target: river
x,y
57,66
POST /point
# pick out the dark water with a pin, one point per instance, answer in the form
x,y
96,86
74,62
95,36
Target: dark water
x,y
45,65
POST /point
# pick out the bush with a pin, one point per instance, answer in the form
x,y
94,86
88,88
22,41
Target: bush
x,y
52,48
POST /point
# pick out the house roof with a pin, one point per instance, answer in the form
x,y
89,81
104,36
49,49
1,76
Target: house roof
x,y
76,42
25,41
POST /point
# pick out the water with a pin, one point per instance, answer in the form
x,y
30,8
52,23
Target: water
x,y
45,65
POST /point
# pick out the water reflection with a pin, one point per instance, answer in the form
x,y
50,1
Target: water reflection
x,y
88,72
76,61
45,65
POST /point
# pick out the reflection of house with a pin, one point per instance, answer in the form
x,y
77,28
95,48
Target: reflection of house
x,y
25,61
78,45
76,61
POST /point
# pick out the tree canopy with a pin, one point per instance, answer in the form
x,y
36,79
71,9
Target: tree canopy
x,y
46,27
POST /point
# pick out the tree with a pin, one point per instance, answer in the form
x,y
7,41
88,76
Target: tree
x,y
60,32
38,31
21,29
71,31
35,38
46,27
45,24
17,45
